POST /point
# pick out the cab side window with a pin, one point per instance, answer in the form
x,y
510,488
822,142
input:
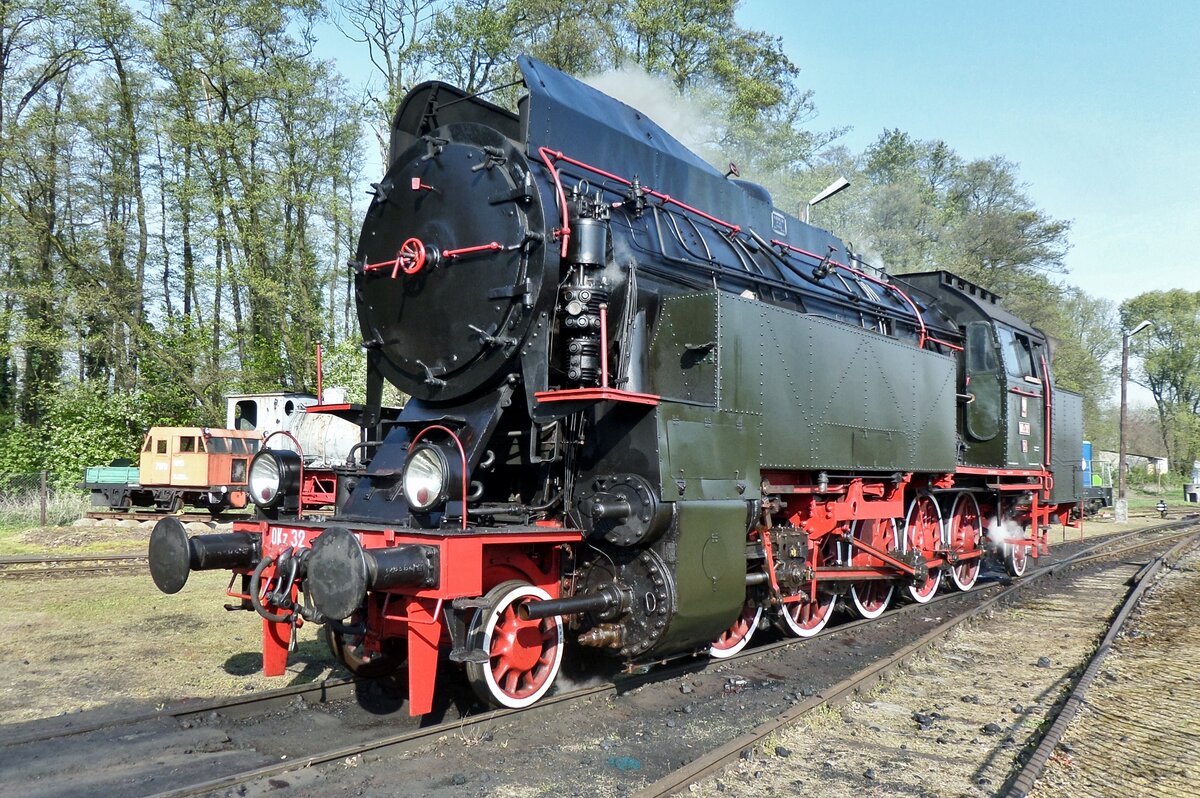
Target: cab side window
x,y
981,355
1018,358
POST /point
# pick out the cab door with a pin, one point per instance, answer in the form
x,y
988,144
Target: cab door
x,y
154,466
189,464
983,384
1026,400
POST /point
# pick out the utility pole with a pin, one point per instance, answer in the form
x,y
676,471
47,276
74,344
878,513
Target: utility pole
x,y
1121,510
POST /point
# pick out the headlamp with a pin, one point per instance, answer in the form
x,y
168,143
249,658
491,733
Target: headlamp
x,y
274,477
426,478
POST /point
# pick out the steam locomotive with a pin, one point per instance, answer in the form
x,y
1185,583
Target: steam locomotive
x,y
650,414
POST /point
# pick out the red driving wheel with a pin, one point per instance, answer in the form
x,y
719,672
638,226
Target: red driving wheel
x,y
412,255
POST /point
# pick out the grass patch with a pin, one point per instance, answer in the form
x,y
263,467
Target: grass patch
x,y
82,643
107,539
23,508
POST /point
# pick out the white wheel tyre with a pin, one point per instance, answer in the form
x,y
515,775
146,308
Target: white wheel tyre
x,y
807,618
923,529
965,508
737,637
1016,559
870,602
523,656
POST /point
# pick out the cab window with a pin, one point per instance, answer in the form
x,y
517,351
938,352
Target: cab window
x,y
218,445
981,355
245,414
1018,360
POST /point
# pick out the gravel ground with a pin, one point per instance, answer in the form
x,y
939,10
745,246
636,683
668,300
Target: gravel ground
x,y
116,642
1139,731
951,724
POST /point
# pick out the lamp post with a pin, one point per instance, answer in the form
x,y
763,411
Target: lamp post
x,y
1121,510
841,184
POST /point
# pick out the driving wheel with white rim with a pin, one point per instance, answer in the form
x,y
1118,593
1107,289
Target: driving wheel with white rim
x,y
737,636
1016,559
870,598
965,533
922,534
808,618
523,656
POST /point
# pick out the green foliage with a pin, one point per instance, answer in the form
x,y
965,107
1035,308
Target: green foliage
x,y
85,425
345,366
22,450
88,426
1169,354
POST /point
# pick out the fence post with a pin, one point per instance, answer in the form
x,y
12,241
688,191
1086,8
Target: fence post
x,y
42,497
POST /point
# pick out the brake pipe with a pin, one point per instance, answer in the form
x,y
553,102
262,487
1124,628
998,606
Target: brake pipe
x,y
256,599
858,273
666,199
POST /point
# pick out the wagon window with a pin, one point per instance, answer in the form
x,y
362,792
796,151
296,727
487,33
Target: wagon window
x,y
237,445
187,443
218,445
149,443
199,444
253,445
161,446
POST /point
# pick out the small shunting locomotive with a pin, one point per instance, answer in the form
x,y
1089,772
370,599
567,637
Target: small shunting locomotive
x,y
650,414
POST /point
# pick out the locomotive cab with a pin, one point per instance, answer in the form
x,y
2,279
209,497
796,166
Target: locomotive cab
x,y
1004,381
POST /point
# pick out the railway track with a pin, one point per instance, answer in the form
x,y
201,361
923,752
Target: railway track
x,y
867,678
68,565
155,515
65,726
409,739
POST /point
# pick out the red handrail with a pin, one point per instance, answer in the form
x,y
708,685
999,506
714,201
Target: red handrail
x,y
548,155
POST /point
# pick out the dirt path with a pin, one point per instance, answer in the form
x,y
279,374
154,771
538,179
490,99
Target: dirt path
x,y
1138,733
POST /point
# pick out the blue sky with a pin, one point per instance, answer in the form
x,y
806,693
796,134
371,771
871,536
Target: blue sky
x,y
1095,101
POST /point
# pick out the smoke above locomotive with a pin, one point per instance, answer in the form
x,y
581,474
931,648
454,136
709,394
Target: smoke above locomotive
x,y
650,413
